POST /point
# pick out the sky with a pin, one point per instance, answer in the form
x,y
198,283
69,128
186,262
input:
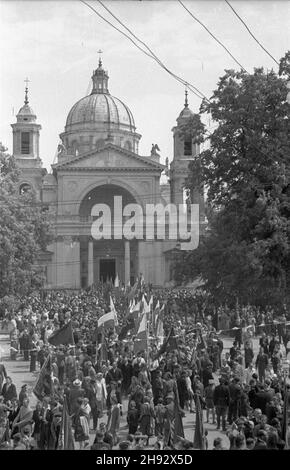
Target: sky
x,y
55,44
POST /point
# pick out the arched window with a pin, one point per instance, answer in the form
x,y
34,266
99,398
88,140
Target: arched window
x,y
24,188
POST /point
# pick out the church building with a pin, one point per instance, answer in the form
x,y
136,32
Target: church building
x,y
97,159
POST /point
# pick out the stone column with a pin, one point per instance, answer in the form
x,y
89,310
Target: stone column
x,y
127,262
76,257
90,262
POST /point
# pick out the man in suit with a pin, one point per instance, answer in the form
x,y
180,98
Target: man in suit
x,y
221,399
9,390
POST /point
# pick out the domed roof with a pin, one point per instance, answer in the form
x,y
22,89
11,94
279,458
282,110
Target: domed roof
x,y
26,110
101,108
186,113
26,113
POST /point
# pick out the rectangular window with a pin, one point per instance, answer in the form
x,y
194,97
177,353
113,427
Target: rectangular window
x,y
25,142
188,147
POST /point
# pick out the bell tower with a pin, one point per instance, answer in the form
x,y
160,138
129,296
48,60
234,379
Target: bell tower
x,y
26,147
184,151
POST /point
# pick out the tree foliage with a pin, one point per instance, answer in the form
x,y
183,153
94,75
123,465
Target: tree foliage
x,y
245,252
25,231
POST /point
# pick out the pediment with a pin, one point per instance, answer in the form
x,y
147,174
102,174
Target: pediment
x,y
109,157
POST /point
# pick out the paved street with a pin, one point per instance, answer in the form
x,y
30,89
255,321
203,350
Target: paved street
x,y
19,371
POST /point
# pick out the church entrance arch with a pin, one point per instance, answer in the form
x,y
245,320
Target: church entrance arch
x,y
105,260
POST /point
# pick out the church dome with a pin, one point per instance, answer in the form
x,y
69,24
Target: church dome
x,y
100,108
99,118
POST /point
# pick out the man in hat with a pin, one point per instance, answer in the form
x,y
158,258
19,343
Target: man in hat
x,y
221,399
235,391
75,392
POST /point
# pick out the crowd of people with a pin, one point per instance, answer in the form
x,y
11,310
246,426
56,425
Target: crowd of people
x,y
105,382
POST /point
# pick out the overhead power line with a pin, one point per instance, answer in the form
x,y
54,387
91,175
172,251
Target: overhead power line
x,y
213,36
248,29
150,50
150,54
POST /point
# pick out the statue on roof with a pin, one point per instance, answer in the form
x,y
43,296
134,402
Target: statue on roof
x,y
154,149
61,150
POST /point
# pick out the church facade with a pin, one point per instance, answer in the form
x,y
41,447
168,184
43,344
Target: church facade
x,y
98,159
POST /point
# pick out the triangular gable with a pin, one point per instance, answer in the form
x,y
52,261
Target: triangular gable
x,y
109,156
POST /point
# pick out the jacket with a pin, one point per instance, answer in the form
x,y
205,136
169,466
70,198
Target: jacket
x,y
9,393
221,396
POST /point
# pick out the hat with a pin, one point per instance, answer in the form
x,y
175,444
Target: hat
x,y
124,445
77,382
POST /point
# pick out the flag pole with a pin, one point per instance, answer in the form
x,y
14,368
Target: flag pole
x,y
147,339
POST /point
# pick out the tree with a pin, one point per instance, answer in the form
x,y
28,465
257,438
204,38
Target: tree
x,y
245,252
25,230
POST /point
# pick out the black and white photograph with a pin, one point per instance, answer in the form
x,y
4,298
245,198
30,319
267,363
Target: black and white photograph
x,y
144,228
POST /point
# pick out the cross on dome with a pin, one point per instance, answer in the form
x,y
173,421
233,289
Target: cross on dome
x,y
26,91
100,60
186,100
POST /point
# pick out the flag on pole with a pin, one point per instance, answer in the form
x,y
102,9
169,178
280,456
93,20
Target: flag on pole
x,y
160,331
62,336
43,386
136,312
146,308
112,306
109,320
65,440
131,321
133,291
141,340
199,438
155,315
170,344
